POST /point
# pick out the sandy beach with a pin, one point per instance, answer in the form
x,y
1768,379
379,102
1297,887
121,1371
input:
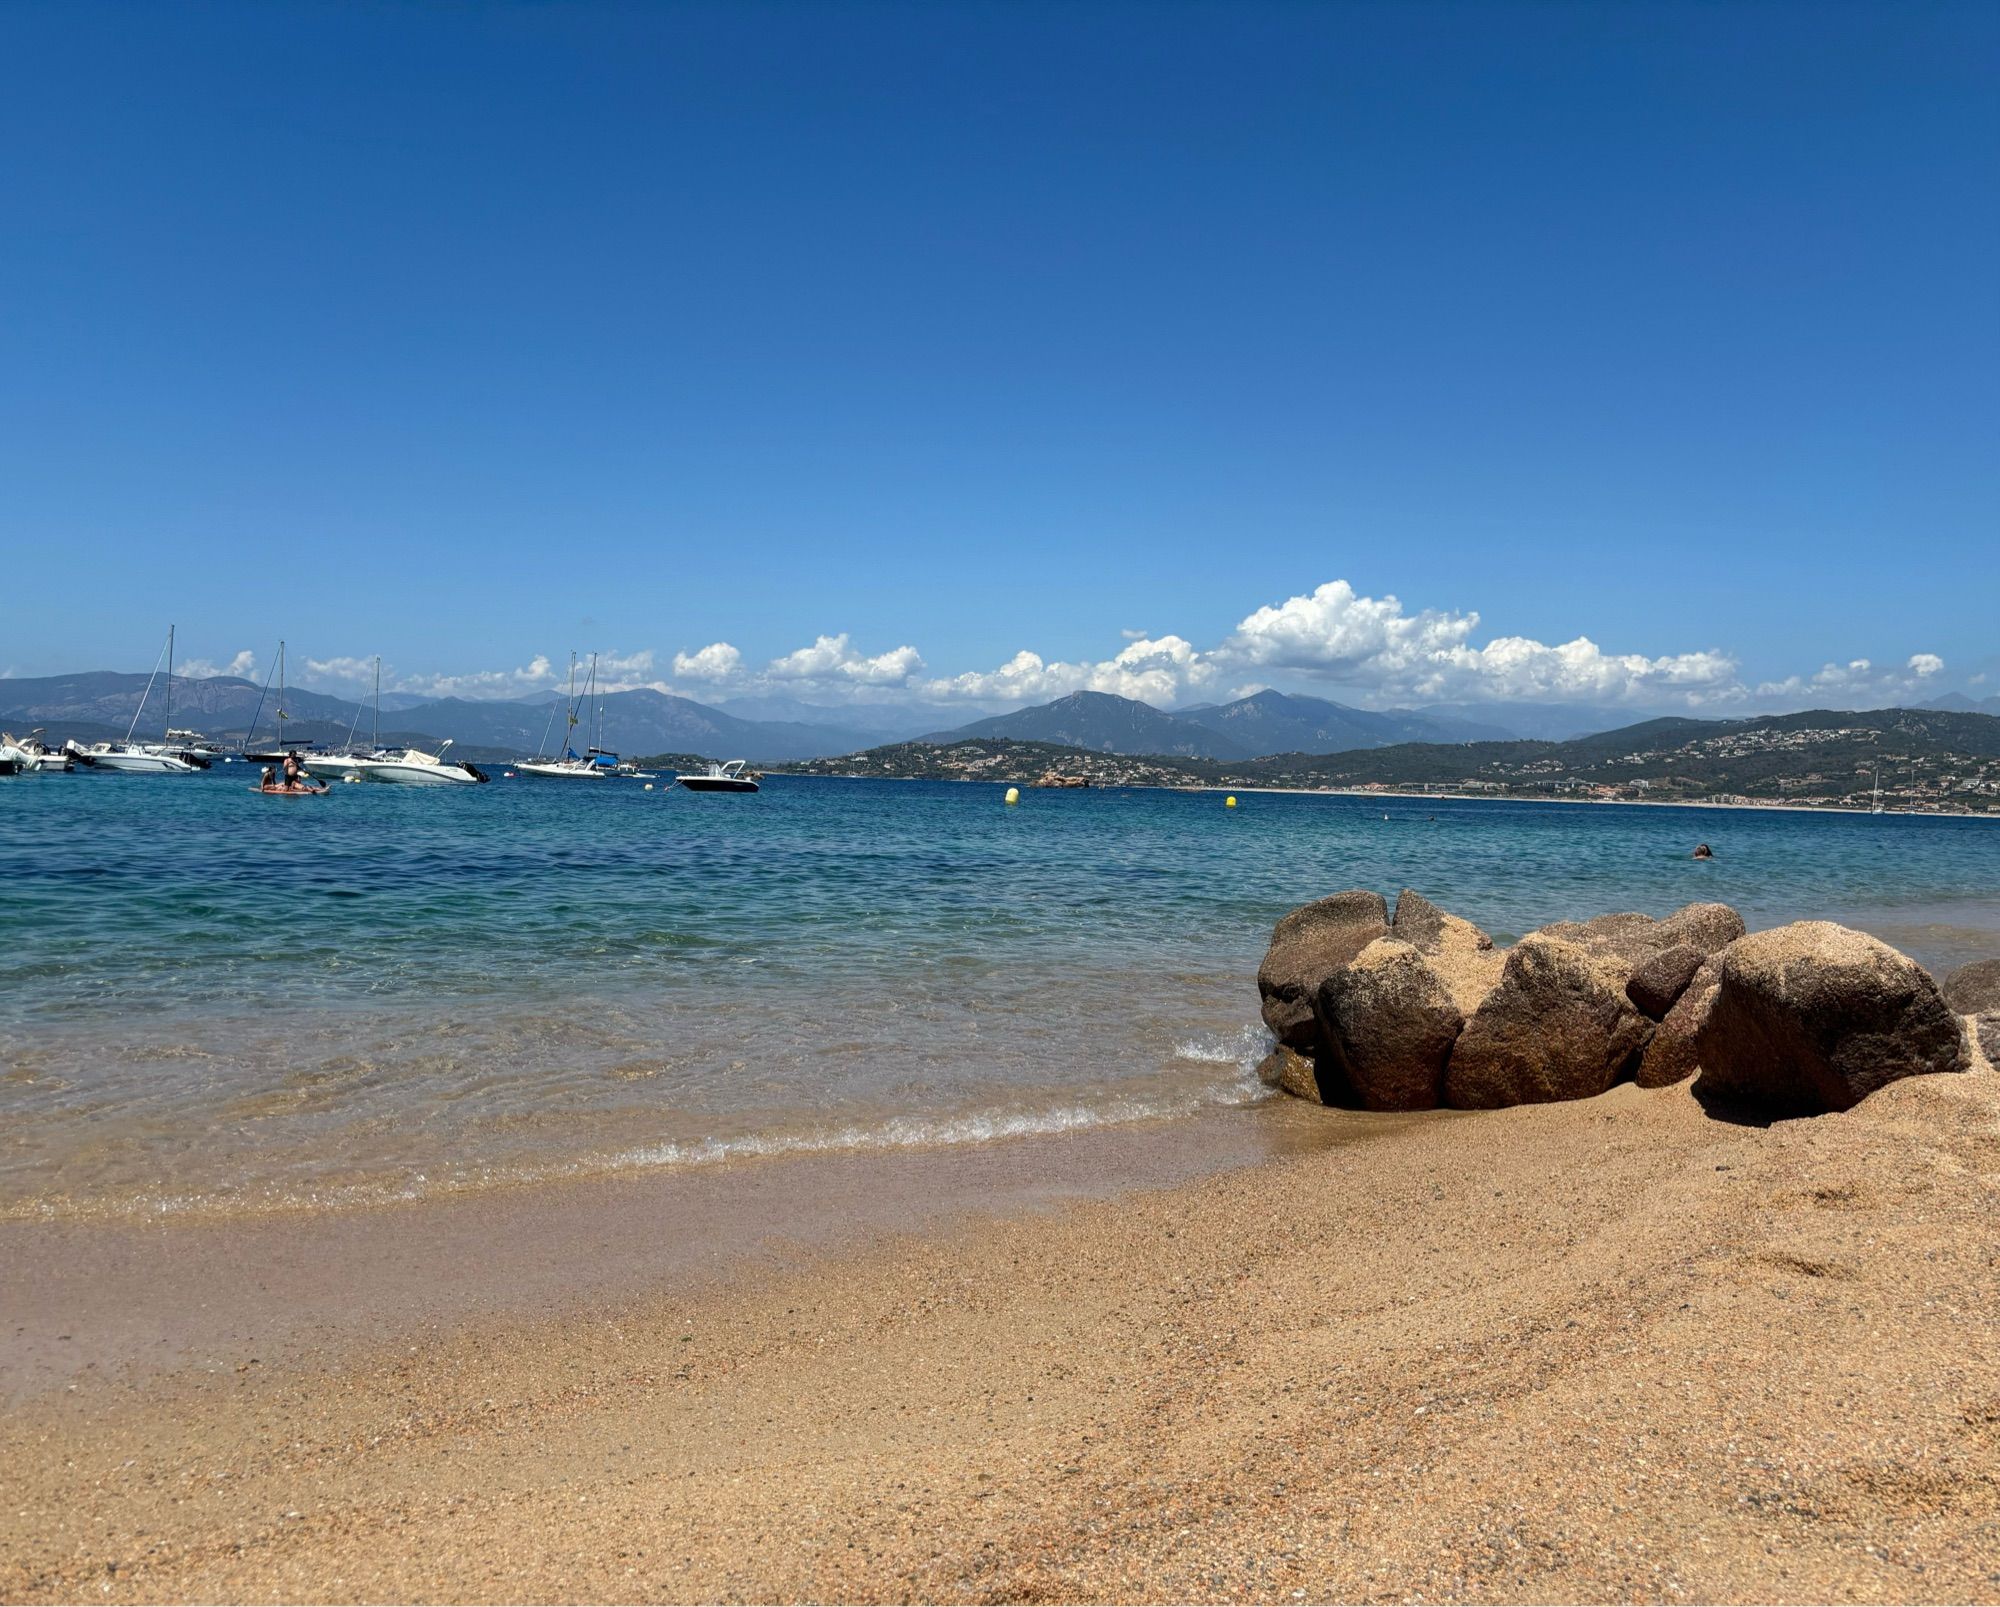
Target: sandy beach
x,y
1615,1349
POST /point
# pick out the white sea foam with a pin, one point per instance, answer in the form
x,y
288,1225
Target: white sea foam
x,y
1243,1048
1240,1050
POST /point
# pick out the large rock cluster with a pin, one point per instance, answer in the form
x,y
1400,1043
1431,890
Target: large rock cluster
x,y
1417,1009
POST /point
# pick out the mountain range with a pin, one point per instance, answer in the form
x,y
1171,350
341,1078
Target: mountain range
x,y
1960,703
99,704
774,729
1249,728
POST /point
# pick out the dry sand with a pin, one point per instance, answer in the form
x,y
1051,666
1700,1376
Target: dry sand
x,y
1608,1350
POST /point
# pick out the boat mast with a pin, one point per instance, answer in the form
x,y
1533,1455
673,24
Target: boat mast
x,y
141,709
375,726
548,725
167,727
250,732
282,715
569,732
354,724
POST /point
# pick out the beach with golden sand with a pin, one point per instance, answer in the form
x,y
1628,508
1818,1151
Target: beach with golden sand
x,y
1610,1349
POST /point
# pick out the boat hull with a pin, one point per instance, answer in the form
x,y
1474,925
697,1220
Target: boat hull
x,y
563,772
139,763
414,775
716,784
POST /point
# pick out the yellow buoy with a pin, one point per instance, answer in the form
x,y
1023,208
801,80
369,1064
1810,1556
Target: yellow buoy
x,y
1229,802
1013,795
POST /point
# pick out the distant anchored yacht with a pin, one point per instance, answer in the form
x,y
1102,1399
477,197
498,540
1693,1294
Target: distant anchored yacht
x,y
146,758
595,763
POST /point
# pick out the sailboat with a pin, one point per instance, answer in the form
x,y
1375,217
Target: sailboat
x,y
146,758
276,751
346,761
1878,793
594,763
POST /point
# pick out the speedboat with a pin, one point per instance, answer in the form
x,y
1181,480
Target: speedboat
x,y
195,745
418,768
728,777
144,758
30,754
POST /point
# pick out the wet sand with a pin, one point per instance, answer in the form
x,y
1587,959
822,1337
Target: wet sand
x,y
1616,1349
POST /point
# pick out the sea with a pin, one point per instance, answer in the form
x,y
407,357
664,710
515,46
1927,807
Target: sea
x,y
213,1001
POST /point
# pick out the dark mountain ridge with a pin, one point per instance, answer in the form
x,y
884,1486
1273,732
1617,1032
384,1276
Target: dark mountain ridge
x,y
1106,723
98,704
1264,723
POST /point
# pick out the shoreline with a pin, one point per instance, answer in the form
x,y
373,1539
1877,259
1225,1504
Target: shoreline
x,y
124,1296
1425,797
1612,1349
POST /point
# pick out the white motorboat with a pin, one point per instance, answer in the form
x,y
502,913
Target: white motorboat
x,y
140,759
730,777
195,745
30,755
145,758
344,762
415,767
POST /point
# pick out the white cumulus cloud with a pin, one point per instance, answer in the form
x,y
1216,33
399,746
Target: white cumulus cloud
x,y
1162,670
833,659
716,662
537,675
1368,649
1373,645
243,666
1857,680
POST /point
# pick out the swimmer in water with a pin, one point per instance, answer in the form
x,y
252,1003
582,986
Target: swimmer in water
x,y
1703,851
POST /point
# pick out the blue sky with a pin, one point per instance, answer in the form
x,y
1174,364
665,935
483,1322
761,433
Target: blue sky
x,y
852,352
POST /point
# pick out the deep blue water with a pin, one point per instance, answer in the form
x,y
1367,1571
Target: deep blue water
x,y
212,997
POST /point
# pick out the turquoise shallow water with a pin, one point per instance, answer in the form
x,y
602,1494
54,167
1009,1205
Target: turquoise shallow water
x,y
210,999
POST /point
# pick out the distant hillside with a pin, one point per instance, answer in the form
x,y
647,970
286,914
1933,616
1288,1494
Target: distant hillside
x,y
1539,722
1959,703
108,697
100,703
640,721
1265,722
1279,722
1925,758
1106,723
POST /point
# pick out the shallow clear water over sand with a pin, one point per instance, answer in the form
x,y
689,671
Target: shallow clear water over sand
x,y
210,1001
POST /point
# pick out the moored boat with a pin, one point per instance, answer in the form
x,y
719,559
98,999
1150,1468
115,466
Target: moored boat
x,y
595,762
138,759
415,767
145,758
730,777
30,755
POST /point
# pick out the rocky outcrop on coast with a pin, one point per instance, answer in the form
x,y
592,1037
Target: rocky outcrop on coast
x,y
1417,1008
